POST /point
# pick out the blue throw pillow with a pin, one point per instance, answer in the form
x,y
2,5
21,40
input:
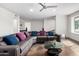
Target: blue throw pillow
x,y
33,33
50,33
10,40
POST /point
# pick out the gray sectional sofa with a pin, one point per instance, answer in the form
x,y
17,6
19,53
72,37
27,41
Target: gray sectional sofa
x,y
16,50
22,47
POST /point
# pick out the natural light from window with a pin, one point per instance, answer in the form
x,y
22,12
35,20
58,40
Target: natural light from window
x,y
75,25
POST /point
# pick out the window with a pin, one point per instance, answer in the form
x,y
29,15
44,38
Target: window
x,y
75,25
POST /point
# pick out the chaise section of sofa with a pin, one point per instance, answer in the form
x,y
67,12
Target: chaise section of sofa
x,y
26,45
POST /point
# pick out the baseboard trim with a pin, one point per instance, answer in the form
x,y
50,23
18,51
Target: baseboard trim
x,y
73,40
67,38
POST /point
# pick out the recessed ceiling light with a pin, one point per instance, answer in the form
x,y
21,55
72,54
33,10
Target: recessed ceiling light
x,y
31,10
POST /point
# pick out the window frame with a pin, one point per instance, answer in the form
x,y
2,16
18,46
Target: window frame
x,y
73,30
76,19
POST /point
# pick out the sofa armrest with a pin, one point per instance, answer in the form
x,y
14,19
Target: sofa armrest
x,y
9,50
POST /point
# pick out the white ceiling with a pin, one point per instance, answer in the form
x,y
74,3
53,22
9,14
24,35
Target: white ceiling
x,y
67,8
23,9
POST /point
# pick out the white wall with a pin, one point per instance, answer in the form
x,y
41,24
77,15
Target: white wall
x,y
36,25
69,33
22,24
28,26
49,24
16,24
7,22
61,24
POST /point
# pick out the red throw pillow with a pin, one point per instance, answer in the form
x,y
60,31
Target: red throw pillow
x,y
21,36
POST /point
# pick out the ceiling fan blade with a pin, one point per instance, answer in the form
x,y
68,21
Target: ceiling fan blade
x,y
41,9
42,5
51,6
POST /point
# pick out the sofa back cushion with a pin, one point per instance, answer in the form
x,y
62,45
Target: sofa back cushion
x,y
1,38
3,44
42,33
34,33
50,33
27,34
10,40
21,36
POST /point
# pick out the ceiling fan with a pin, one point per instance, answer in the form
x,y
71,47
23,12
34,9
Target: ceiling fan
x,y
45,7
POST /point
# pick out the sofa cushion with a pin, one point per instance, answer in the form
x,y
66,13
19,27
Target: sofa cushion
x,y
3,44
1,39
42,33
50,33
34,33
24,44
10,40
21,36
27,34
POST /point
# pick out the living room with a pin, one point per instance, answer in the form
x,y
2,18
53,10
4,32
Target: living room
x,y
41,23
